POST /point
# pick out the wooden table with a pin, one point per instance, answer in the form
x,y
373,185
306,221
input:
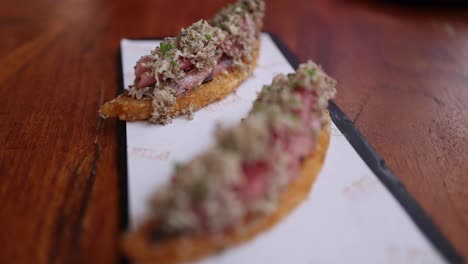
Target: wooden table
x,y
403,80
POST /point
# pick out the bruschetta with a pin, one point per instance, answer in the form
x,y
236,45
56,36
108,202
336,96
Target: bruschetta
x,y
204,63
254,175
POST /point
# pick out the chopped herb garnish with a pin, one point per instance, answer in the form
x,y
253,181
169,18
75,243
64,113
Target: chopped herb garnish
x,y
220,26
295,116
296,85
174,63
257,106
200,189
311,72
208,37
294,101
166,47
217,52
177,166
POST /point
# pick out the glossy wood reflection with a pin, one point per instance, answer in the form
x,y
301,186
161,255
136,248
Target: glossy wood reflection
x,y
402,75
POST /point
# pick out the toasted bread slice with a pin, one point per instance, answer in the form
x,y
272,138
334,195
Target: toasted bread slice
x,y
140,248
127,108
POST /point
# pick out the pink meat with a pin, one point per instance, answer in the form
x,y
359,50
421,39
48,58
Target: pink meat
x,y
192,77
142,74
297,144
144,80
191,80
256,175
223,65
139,67
185,64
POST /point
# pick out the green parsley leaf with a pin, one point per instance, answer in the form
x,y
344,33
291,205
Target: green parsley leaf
x,y
257,106
208,37
294,101
311,72
166,47
174,63
177,166
200,190
295,116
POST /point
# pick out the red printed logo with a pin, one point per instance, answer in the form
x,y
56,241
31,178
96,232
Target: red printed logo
x,y
360,187
231,99
148,153
408,254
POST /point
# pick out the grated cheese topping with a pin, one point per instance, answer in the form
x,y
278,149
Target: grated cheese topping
x,y
281,104
162,98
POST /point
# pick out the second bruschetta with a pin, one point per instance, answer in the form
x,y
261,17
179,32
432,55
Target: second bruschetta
x,y
252,177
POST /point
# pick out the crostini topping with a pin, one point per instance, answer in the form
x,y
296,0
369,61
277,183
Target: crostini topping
x,y
161,100
199,53
251,163
243,22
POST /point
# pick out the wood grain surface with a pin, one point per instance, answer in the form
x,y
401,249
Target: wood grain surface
x,y
403,80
